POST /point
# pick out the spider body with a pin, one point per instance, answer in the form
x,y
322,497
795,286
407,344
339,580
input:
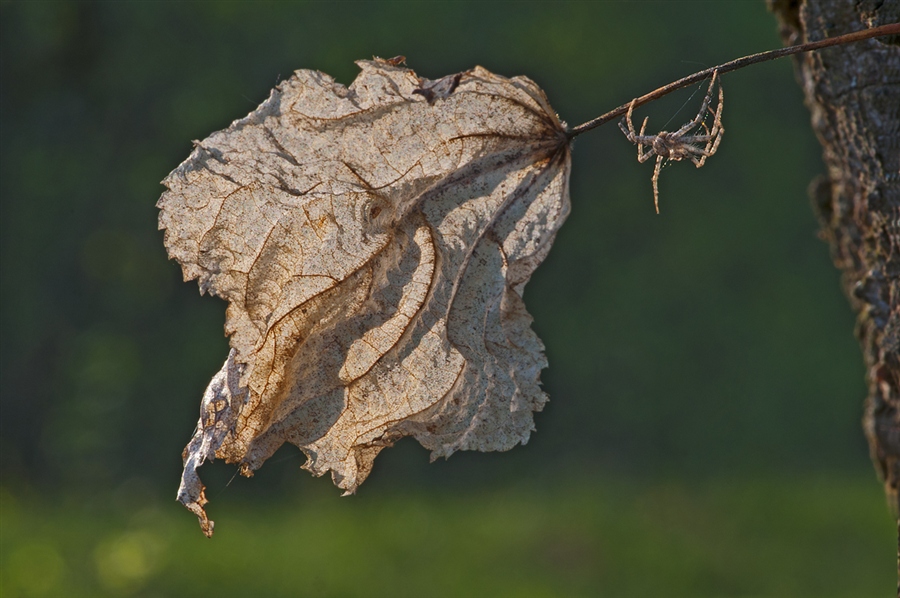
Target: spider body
x,y
680,144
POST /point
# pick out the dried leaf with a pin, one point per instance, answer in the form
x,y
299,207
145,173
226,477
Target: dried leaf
x,y
372,243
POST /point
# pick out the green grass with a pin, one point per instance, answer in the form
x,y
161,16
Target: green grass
x,y
815,536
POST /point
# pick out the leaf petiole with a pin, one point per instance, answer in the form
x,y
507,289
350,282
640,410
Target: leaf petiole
x,y
739,63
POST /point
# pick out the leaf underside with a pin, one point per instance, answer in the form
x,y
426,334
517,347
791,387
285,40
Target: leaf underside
x,y
372,243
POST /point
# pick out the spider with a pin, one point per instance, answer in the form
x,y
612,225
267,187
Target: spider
x,y
679,144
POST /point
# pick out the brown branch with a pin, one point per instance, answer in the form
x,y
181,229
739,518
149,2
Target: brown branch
x,y
739,63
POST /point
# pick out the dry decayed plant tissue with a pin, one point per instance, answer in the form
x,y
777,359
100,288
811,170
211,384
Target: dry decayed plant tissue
x,y
372,243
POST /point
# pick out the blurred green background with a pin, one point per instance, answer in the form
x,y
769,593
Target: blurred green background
x,y
703,435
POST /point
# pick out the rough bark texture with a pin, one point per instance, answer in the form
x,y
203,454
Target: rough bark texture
x,y
853,93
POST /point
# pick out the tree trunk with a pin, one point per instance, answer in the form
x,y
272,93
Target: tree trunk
x,y
853,93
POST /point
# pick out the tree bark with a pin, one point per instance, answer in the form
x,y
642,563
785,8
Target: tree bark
x,y
853,93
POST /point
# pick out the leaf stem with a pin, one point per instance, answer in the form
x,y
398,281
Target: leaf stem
x,y
892,29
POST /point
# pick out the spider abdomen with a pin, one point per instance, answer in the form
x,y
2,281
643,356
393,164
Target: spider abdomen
x,y
662,145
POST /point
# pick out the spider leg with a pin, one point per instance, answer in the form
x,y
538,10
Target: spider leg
x,y
628,117
656,171
717,129
702,154
717,141
629,132
693,149
638,139
713,134
632,135
641,140
642,157
698,160
718,113
709,94
701,115
688,126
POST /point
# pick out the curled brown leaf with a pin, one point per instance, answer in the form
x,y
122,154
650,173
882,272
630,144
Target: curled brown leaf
x,y
372,243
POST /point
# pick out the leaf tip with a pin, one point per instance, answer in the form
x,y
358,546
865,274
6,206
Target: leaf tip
x,y
207,526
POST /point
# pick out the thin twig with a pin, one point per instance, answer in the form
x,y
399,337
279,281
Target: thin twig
x,y
892,29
